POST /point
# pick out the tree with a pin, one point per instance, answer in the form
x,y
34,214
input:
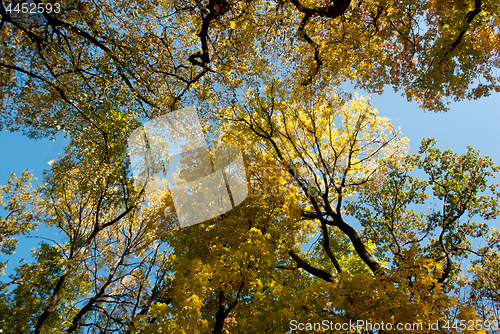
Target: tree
x,y
325,171
485,283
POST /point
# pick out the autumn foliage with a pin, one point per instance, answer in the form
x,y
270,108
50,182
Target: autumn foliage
x,y
341,223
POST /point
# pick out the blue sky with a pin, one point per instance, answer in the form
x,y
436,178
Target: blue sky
x,y
475,123
19,153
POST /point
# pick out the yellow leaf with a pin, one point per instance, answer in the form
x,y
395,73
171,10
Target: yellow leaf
x,y
232,25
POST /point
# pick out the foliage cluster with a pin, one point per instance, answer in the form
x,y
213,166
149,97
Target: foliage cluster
x,y
340,223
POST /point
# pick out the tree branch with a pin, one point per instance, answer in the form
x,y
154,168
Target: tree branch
x,y
310,269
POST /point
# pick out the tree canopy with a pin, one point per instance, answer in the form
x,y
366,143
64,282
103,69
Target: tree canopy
x,y
340,222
